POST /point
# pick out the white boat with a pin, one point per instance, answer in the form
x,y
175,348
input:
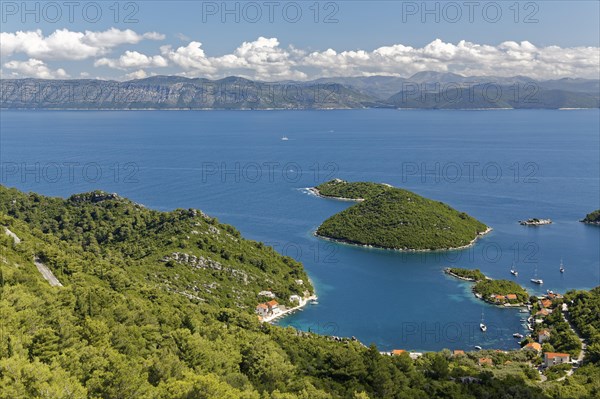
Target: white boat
x,y
514,271
518,335
314,302
284,138
478,347
482,325
536,280
562,268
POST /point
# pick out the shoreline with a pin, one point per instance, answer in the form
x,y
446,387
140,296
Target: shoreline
x,y
315,191
479,296
287,312
347,242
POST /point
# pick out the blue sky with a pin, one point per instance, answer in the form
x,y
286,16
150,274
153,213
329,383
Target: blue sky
x,y
290,38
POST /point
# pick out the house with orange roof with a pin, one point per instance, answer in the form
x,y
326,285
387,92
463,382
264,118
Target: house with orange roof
x,y
546,303
458,352
533,346
544,312
500,298
511,297
486,361
543,335
398,352
552,358
262,309
273,306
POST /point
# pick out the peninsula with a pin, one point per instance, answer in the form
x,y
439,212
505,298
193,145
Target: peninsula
x,y
392,218
495,292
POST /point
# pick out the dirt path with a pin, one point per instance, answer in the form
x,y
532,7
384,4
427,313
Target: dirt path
x,y
9,233
47,273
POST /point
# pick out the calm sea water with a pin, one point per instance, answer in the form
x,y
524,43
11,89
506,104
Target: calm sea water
x,y
499,166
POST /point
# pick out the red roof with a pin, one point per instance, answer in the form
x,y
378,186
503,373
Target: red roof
x,y
534,345
262,306
552,355
272,303
546,303
397,352
512,296
486,360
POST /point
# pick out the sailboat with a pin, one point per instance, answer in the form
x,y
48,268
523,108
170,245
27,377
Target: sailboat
x,y
482,326
284,138
562,268
514,271
537,280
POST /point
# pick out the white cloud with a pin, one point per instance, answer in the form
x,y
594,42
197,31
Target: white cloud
x,y
139,74
264,59
132,59
34,68
466,58
261,59
64,44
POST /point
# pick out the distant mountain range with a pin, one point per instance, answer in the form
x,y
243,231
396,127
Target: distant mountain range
x,y
424,90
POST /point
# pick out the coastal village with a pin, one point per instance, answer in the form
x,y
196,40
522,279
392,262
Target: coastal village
x,y
271,310
536,351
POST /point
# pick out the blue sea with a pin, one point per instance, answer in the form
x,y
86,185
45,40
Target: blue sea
x,y
499,166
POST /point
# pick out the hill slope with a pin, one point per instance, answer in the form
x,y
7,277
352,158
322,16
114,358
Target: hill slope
x,y
119,328
394,218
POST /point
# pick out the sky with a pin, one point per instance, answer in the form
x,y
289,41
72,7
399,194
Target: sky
x,y
299,40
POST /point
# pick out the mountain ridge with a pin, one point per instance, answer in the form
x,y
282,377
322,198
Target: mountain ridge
x,y
446,90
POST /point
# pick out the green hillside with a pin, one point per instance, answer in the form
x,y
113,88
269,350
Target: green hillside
x,y
394,218
129,323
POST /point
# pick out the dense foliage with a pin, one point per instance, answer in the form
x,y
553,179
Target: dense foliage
x,y
469,274
584,311
358,190
398,219
592,218
487,288
128,325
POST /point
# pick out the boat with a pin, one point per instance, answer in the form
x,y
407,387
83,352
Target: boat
x,y
562,268
284,138
536,280
523,311
478,347
314,302
514,271
518,335
482,325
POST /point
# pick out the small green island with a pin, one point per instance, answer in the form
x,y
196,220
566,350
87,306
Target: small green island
x,y
496,292
592,218
393,218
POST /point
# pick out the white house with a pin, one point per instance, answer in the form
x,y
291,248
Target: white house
x,y
543,336
552,359
296,298
262,310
